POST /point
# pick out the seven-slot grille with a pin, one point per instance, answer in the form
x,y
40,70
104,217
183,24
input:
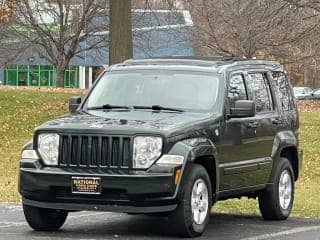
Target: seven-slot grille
x,y
96,151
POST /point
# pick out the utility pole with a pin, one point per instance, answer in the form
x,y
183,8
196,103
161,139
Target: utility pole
x,y
120,38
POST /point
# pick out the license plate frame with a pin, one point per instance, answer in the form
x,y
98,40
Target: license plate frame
x,y
86,185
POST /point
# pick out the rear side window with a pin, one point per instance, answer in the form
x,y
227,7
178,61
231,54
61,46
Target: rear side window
x,y
285,96
260,88
237,89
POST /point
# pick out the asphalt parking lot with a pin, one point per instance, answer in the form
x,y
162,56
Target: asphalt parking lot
x,y
98,225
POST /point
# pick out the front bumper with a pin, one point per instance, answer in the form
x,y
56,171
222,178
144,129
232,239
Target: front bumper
x,y
96,207
122,191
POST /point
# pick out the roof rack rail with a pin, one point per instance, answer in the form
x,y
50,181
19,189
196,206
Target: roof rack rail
x,y
169,61
214,61
195,58
206,58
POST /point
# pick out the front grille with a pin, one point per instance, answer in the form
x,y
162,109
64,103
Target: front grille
x,y
96,151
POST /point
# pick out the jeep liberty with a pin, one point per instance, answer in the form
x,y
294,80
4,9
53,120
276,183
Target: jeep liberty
x,y
168,136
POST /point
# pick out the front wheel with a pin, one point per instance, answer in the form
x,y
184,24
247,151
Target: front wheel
x,y
43,219
195,200
276,203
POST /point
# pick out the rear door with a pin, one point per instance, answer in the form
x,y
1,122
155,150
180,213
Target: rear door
x,y
268,117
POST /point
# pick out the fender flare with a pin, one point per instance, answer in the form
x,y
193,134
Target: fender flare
x,y
193,149
281,141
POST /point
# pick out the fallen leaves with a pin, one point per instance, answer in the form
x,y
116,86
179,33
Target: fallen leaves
x,y
45,89
309,106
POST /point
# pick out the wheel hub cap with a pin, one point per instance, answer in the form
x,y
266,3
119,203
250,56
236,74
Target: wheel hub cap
x,y
199,201
285,189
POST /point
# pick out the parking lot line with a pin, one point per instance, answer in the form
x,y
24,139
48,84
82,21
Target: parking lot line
x,y
283,233
11,224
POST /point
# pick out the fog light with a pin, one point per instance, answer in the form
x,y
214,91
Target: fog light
x,y
170,160
29,154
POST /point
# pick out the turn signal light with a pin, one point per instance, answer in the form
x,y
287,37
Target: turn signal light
x,y
177,176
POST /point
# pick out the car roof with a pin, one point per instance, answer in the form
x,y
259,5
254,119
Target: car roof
x,y
215,64
301,88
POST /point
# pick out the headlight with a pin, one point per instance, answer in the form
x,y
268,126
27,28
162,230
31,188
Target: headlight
x,y
48,147
146,150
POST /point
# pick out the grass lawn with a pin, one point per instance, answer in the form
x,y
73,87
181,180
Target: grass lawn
x,y
22,110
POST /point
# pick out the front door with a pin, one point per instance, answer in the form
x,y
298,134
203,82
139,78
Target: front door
x,y
246,143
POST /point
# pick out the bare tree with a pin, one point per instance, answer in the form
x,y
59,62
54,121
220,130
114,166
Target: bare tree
x,y
9,50
243,28
57,29
120,43
283,30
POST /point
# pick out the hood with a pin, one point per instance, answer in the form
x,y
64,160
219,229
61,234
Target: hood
x,y
126,122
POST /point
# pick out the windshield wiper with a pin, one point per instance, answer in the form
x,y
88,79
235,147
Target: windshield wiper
x,y
158,108
108,106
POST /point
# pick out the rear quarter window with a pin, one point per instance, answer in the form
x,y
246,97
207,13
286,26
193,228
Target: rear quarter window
x,y
284,90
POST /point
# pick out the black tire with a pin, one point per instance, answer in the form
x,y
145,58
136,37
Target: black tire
x,y
269,199
182,218
43,219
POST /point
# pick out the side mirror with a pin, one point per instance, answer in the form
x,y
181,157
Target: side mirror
x,y
243,108
74,103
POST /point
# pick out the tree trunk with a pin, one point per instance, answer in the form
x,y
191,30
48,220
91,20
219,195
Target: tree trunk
x,y
60,76
120,42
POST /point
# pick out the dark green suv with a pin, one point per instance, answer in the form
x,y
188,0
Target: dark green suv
x,y
168,136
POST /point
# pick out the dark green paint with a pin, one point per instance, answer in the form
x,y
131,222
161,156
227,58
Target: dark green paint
x,y
243,150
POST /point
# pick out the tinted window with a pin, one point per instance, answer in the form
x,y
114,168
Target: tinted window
x,y
283,86
260,89
237,90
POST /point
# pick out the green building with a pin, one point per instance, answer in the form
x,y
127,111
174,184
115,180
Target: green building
x,y
39,76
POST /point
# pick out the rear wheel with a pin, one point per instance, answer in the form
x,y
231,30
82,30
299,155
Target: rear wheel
x,y
276,203
43,219
195,200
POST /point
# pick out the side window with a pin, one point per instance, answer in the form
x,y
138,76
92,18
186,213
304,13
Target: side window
x,y
285,96
236,89
261,92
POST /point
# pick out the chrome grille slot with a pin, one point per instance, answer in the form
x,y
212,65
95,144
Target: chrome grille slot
x,y
64,150
104,152
115,152
95,151
74,150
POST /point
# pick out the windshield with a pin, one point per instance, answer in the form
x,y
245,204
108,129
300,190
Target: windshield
x,y
191,91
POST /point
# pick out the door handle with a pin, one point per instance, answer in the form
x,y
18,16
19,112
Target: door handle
x,y
277,121
253,124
